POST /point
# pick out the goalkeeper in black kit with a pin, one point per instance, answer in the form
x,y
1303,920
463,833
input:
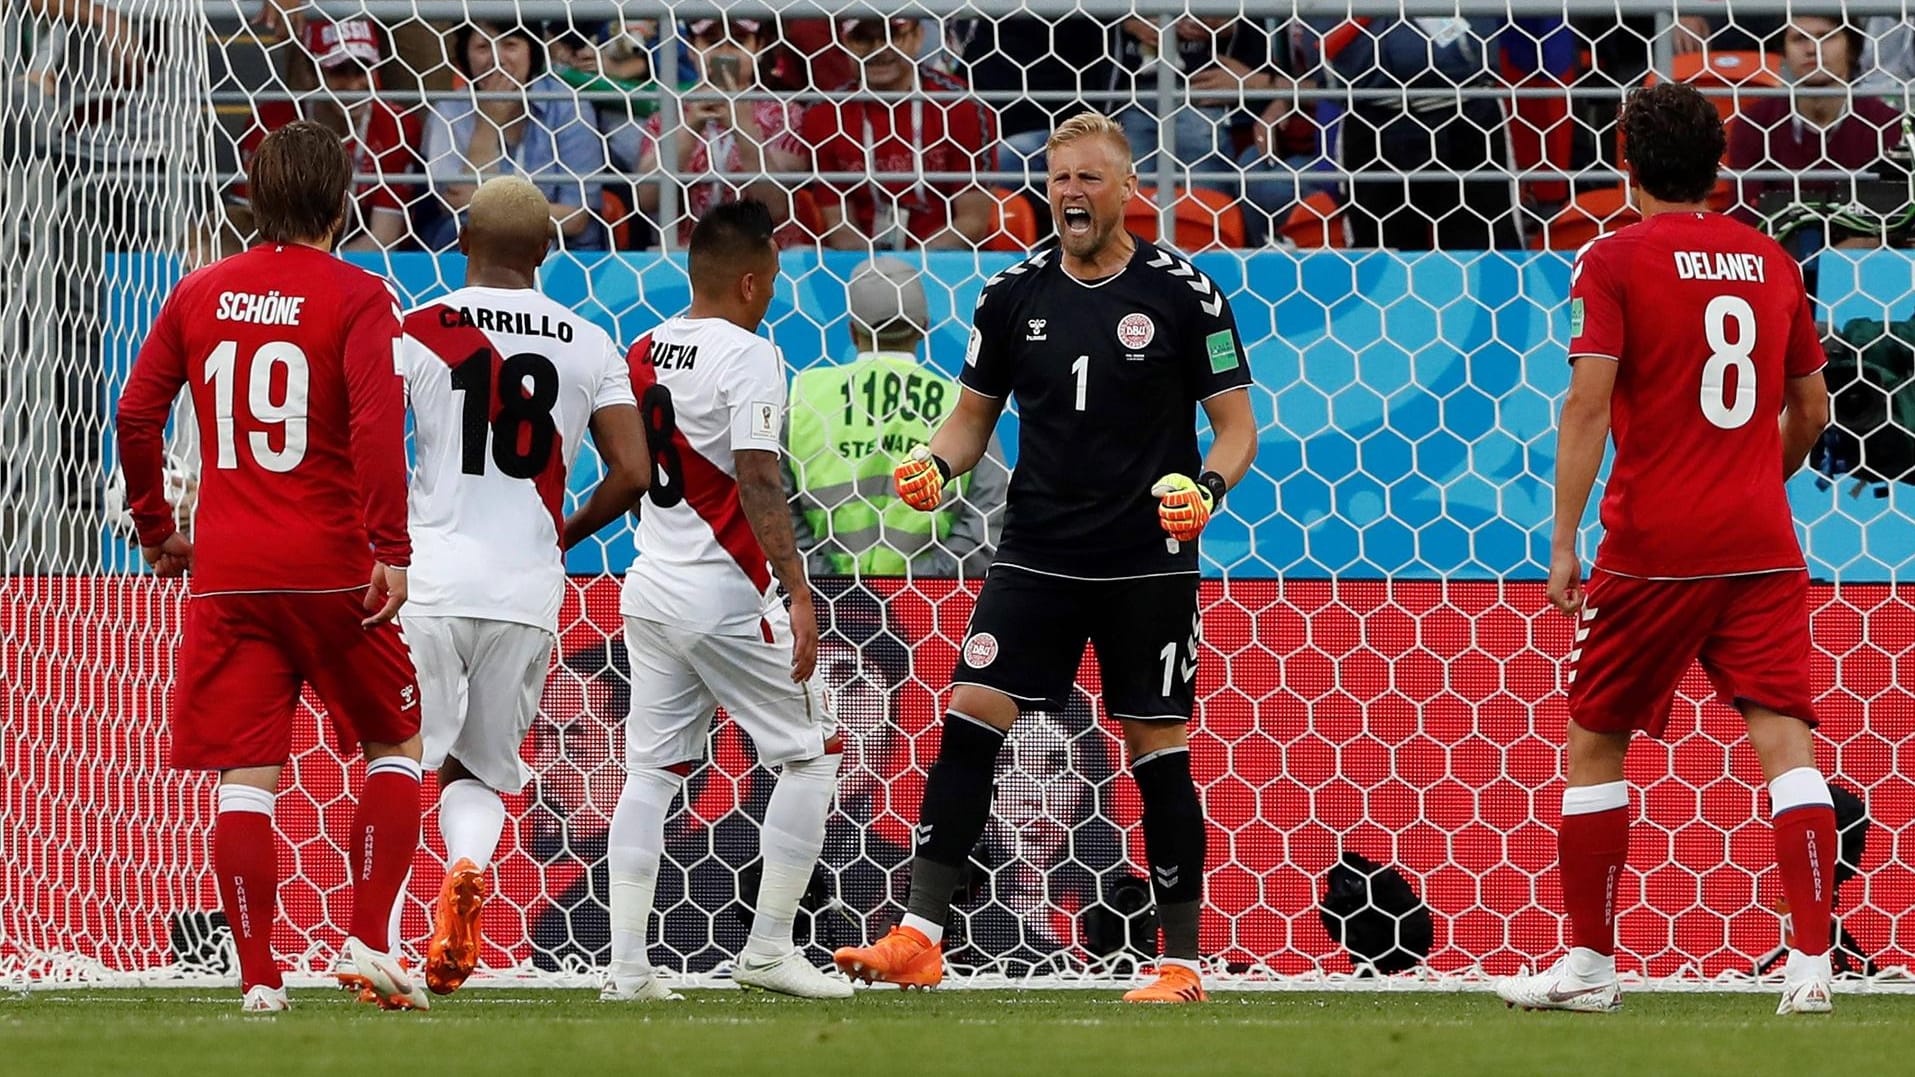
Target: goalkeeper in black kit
x,y
1107,342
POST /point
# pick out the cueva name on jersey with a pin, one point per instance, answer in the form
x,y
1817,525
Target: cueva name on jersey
x,y
1702,265
269,309
523,322
673,356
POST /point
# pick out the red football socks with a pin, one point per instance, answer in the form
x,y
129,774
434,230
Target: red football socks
x,y
246,859
385,835
1805,852
1593,844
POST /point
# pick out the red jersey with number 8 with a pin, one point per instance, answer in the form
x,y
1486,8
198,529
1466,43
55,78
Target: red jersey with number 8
x,y
1706,318
290,356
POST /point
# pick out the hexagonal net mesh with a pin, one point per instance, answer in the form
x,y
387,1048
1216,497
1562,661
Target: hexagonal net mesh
x,y
1388,195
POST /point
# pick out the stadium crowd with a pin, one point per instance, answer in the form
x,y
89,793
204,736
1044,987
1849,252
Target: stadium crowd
x,y
904,134
909,133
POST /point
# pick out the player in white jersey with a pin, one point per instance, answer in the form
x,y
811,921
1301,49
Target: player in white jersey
x,y
704,625
504,383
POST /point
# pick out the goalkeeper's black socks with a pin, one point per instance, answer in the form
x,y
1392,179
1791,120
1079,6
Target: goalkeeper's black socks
x,y
1174,844
957,803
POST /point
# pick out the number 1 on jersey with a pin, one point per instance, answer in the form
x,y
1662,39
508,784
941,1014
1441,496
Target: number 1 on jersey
x,y
1081,368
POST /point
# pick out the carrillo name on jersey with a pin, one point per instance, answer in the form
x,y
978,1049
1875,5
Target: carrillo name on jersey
x,y
523,322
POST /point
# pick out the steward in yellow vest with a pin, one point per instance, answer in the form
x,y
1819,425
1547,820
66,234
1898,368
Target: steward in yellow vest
x,y
850,424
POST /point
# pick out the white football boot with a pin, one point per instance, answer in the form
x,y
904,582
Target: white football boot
x,y
393,986
1562,987
790,974
646,988
1806,985
263,999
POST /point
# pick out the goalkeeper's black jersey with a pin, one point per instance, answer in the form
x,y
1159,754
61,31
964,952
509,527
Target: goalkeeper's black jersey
x,y
1105,377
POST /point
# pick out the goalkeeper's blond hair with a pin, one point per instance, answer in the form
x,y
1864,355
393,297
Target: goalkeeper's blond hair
x,y
1092,124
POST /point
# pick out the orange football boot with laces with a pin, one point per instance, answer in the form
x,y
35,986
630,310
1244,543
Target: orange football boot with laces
x,y
454,950
903,957
1174,983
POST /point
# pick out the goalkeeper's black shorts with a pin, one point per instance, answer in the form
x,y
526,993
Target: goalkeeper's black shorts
x,y
1028,632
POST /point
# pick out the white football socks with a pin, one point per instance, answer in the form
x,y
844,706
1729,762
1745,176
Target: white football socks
x,y
633,849
471,818
934,932
235,797
1591,967
793,836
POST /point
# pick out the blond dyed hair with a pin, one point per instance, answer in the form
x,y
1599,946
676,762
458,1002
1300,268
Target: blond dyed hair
x,y
509,202
1092,124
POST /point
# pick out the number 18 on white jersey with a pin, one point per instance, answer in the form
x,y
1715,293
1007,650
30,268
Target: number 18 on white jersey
x,y
503,383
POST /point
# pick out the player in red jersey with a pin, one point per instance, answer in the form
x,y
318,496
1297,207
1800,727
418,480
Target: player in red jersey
x,y
1693,341
289,354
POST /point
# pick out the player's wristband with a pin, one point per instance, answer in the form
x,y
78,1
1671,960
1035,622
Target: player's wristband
x,y
1214,483
944,469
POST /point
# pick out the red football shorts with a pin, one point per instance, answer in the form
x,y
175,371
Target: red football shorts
x,y
244,658
1637,637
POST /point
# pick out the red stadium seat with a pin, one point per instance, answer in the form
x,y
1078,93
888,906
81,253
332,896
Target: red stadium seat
x,y
1205,220
1317,221
1589,215
1016,222
618,219
1719,75
804,210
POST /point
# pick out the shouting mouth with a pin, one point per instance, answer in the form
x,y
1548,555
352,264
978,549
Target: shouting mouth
x,y
1077,221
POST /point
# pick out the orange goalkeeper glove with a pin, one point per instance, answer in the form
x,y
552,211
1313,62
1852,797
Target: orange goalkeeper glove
x,y
920,479
1184,504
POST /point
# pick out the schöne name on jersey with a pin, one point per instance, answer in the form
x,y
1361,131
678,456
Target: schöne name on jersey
x,y
1702,265
269,309
522,322
672,356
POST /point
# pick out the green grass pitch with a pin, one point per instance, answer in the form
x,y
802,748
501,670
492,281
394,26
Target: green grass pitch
x,y
971,1033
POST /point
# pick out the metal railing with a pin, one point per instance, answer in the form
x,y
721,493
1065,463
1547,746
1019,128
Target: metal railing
x,y
1309,9
1163,88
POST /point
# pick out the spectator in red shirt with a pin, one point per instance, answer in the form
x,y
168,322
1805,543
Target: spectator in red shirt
x,y
382,141
742,138
872,136
1851,132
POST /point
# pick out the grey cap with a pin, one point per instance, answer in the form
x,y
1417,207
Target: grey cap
x,y
886,290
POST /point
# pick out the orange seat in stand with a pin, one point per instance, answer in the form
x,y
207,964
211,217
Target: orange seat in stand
x,y
1589,215
1205,220
1719,75
1317,221
1016,222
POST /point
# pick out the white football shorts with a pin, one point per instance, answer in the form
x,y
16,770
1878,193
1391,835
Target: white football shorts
x,y
480,682
680,675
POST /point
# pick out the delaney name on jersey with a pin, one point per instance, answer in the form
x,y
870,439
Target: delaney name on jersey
x,y
522,322
1702,265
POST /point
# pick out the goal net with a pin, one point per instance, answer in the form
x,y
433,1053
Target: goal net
x,y
1388,194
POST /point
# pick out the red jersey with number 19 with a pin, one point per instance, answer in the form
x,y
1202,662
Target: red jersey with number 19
x,y
290,356
1705,317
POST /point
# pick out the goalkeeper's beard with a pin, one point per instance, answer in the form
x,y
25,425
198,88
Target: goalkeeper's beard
x,y
1092,243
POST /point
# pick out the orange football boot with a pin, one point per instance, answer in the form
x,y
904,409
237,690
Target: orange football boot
x,y
1174,983
903,957
454,950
